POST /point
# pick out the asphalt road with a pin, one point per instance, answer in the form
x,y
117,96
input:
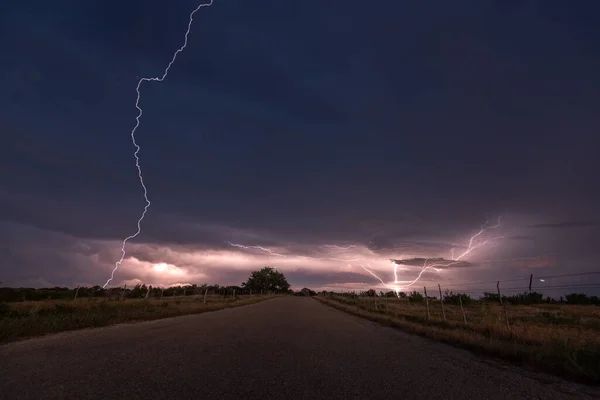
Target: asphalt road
x,y
286,348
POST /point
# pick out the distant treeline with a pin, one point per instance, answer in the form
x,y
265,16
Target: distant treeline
x,y
456,298
8,294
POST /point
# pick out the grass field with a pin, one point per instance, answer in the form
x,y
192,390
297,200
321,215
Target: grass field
x,y
560,339
32,318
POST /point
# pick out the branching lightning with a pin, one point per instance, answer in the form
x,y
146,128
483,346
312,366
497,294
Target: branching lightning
x,y
264,249
334,249
397,285
137,147
456,260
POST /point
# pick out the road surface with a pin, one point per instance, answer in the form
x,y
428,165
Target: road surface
x,y
285,348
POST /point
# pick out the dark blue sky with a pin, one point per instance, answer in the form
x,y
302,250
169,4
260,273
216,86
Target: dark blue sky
x,y
399,128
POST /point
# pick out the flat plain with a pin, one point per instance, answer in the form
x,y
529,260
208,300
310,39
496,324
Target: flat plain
x,y
290,347
554,338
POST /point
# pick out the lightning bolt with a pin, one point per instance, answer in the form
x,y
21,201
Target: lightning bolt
x,y
137,147
468,251
397,285
264,249
336,247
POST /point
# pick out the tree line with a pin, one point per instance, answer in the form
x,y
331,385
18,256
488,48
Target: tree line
x,y
269,280
265,280
451,297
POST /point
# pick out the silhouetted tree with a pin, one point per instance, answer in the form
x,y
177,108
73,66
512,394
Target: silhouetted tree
x,y
370,293
491,297
306,292
456,298
415,297
581,298
266,279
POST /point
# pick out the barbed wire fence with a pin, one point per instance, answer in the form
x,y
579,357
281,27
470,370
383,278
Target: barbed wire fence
x,y
456,301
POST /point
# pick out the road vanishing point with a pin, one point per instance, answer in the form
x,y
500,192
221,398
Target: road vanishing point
x,y
284,348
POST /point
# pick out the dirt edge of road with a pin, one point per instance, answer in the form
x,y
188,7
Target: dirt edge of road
x,y
490,352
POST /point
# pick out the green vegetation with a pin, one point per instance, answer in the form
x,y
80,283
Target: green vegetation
x,y
562,338
8,294
28,312
305,292
266,279
31,318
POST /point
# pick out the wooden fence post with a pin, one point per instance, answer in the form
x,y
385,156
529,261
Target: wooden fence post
x,y
442,302
205,293
162,292
461,308
148,291
76,291
504,305
530,282
499,295
123,292
427,302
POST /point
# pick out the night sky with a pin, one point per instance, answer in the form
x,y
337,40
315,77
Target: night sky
x,y
396,128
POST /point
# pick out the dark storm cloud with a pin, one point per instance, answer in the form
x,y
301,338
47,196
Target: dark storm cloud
x,y
33,257
317,278
520,237
567,224
401,128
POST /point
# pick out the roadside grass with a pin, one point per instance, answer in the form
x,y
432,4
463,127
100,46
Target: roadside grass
x,y
34,318
563,340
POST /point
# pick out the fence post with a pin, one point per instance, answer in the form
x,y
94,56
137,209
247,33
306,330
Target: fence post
x,y
76,291
162,292
442,302
504,305
148,291
530,281
461,308
426,302
123,292
499,295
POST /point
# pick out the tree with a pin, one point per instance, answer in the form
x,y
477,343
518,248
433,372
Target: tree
x,y
415,297
370,293
306,292
266,279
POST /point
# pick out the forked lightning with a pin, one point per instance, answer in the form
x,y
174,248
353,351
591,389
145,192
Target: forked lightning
x,y
137,147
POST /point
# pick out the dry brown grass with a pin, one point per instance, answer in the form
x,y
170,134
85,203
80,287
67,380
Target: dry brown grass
x,y
560,339
32,318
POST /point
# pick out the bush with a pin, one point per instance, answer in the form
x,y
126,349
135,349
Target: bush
x,y
415,297
456,298
5,309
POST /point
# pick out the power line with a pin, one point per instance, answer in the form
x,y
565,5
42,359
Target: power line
x,y
518,280
567,275
486,282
